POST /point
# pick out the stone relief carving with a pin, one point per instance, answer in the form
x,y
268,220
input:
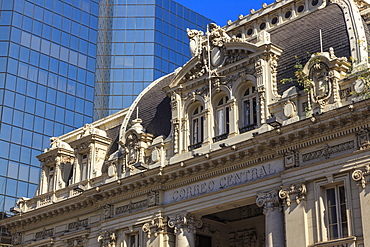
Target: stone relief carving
x,y
328,150
362,176
321,86
248,237
107,239
132,148
154,227
291,159
182,222
17,238
153,198
363,139
293,192
55,142
77,242
107,211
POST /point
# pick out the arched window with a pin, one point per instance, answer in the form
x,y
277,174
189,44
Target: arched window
x,y
222,122
196,128
249,110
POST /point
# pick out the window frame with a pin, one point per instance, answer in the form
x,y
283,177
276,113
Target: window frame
x,y
196,133
252,121
322,220
222,126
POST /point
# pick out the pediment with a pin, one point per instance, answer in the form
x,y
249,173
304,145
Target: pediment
x,y
217,57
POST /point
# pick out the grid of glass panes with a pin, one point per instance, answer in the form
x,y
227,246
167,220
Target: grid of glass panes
x,y
139,41
47,64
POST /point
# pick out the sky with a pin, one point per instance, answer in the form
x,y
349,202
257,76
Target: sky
x,y
220,11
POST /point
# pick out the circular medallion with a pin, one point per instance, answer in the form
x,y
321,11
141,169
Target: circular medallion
x,y
359,86
217,56
111,170
289,109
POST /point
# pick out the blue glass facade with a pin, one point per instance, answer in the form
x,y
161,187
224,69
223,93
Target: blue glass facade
x,y
139,41
47,64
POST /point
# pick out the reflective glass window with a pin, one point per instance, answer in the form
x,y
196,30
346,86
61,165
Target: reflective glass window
x,y
11,187
34,175
22,189
13,169
27,135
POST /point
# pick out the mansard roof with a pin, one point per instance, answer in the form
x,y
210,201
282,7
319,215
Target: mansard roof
x,y
301,38
152,106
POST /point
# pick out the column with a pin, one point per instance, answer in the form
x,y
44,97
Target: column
x,y
274,220
295,214
185,226
362,177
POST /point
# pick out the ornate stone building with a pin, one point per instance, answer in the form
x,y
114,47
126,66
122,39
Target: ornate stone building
x,y
261,139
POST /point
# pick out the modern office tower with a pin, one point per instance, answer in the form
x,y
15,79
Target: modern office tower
x,y
139,41
47,63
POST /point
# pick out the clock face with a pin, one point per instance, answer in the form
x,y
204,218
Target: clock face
x,y
360,86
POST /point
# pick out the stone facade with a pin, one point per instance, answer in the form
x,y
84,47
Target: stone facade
x,y
222,152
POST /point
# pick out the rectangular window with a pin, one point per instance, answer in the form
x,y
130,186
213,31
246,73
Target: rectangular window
x,y
333,206
133,240
336,212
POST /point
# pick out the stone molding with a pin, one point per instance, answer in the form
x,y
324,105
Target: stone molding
x,y
269,201
182,222
362,176
293,193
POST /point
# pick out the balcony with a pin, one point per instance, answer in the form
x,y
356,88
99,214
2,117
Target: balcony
x,y
220,137
195,146
247,128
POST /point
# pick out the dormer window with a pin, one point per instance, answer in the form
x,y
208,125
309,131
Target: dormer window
x,y
249,110
197,127
222,123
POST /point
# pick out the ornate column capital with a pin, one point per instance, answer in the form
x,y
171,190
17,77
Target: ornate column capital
x,y
361,176
293,192
270,201
183,222
155,227
107,239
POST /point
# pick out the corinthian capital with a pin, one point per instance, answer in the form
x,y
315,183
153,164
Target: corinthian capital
x,y
294,192
155,226
183,222
269,200
362,176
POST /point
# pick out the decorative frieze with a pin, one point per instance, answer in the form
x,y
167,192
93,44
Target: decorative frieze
x,y
295,193
107,239
132,206
78,224
362,176
153,198
327,151
44,233
154,227
182,222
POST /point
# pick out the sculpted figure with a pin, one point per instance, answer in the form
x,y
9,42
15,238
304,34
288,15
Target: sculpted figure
x,y
195,37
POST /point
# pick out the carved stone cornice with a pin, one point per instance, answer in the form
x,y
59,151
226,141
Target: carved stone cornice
x,y
269,201
362,176
293,192
155,227
182,222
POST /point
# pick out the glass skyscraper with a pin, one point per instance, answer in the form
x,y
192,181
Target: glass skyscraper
x,y
47,65
139,41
